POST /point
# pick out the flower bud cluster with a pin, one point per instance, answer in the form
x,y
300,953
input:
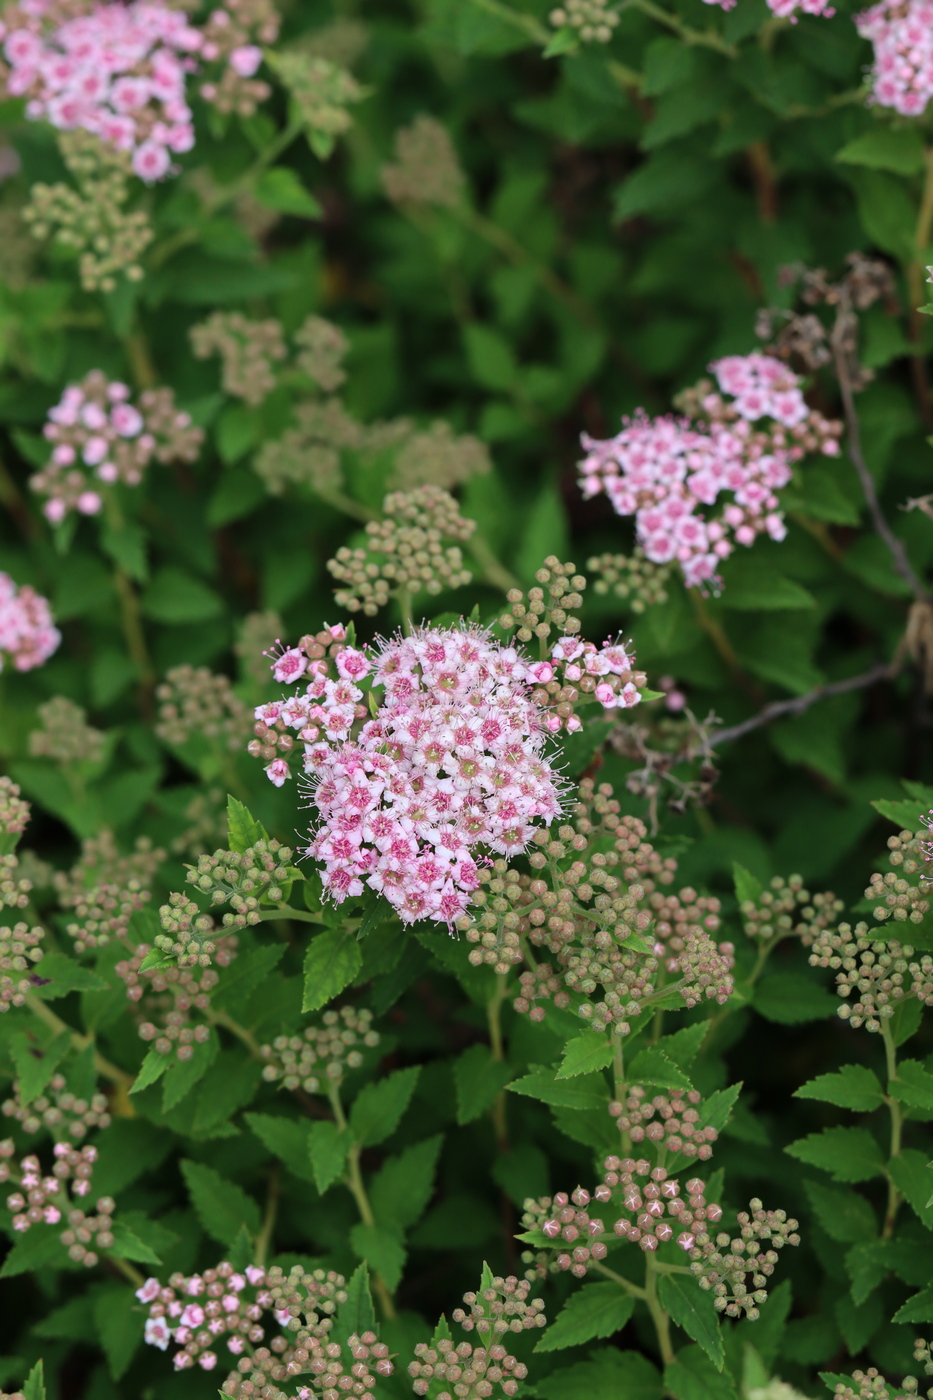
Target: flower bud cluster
x,y
320,1057
99,438
601,868
468,1370
46,1200
593,19
322,91
495,925
437,456
239,878
552,606
14,810
900,893
19,948
105,889
14,888
274,744
426,169
877,975
232,35
195,1313
92,219
194,701
57,1109
871,1385
670,1121
173,995
405,552
309,453
632,577
64,735
501,1307
249,351
653,1212
322,348
28,637
786,908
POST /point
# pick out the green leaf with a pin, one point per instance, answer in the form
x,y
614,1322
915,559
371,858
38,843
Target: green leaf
x,y
683,1046
72,1322
35,1065
118,1324
544,531
64,975
693,1310
357,1315
328,1148
375,912
128,1245
608,1374
400,1190
239,981
886,210
746,886
220,1205
540,1084
382,1250
182,1076
37,1248
153,1067
854,1086
899,149
906,1020
589,1051
285,1138
844,1215
752,583
595,1310
566,40
910,1174
490,357
281,189
175,596
34,1386
867,1266
790,998
378,1107
913,1086
243,830
919,1308
652,1066
848,1154
332,961
478,1080
692,1376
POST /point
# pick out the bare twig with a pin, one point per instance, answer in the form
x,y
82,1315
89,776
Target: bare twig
x,y
884,670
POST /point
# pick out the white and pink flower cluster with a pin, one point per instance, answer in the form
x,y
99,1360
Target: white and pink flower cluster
x,y
100,438
116,70
28,636
196,1326
787,9
449,765
902,34
664,470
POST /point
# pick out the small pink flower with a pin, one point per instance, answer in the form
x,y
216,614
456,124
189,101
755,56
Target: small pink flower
x,y
245,60
277,771
157,1333
149,1290
289,666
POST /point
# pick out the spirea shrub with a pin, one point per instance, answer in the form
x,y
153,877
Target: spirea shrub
x,y
466,657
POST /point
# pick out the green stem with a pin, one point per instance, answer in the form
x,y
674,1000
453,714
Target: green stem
x,y
618,1066
659,1317
494,1019
706,38
263,1239
285,911
526,23
403,598
354,1181
897,1123
494,571
223,1018
140,359
126,1269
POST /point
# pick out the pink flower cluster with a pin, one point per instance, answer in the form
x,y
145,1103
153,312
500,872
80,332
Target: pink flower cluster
x,y
902,33
118,70
787,9
196,1326
95,429
663,470
27,634
452,758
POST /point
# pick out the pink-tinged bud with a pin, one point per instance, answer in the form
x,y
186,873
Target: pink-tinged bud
x,y
648,1243
621,1227
245,60
686,1241
606,695
570,1233
714,1212
551,1228
602,1193
580,1197
543,672
663,1231
254,1274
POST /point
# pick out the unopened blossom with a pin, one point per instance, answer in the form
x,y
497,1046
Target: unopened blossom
x,y
437,456
663,471
19,951
319,1058
117,71
902,34
64,734
52,1199
100,437
322,348
28,637
593,20
56,1108
249,351
195,702
15,811
426,168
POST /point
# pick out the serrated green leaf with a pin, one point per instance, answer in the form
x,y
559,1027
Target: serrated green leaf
x,y
595,1310
899,149
36,1064
589,1051
378,1107
220,1205
693,1376
128,1245
281,189
913,1086
848,1154
844,1215
791,998
382,1250
328,1146
118,1323
608,1374
693,1310
478,1080
910,1174
38,1247
652,1066
243,830
854,1086
153,1067
746,886
357,1315
182,1076
332,961
541,1084
400,1190
285,1138
34,1386
919,1308
60,975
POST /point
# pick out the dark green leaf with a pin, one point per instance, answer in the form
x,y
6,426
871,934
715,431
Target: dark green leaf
x,y
378,1107
595,1310
854,1086
848,1154
589,1051
243,830
332,961
220,1205
328,1148
693,1310
479,1079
